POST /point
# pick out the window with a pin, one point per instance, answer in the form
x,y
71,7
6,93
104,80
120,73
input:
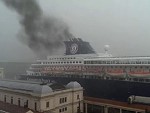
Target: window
x,y
26,103
5,98
62,109
59,110
65,108
18,101
60,101
11,100
35,106
47,104
65,99
77,96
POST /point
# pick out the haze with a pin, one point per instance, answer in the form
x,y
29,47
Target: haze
x,y
123,24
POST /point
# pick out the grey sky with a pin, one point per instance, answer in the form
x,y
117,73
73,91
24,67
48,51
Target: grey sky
x,y
123,24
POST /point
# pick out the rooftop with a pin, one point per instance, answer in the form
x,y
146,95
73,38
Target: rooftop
x,y
28,87
14,108
35,87
118,103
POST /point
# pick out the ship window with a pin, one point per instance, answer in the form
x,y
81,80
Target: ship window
x,y
73,62
108,62
79,61
76,61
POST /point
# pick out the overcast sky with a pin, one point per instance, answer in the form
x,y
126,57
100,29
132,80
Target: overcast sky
x,y
123,24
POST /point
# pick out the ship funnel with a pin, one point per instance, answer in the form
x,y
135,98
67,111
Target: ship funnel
x,y
78,46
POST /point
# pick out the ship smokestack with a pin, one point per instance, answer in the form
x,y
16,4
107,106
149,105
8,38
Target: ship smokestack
x,y
41,33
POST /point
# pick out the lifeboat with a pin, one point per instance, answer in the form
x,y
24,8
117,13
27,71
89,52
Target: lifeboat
x,y
115,72
139,74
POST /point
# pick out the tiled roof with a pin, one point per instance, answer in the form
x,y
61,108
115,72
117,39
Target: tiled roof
x,y
14,108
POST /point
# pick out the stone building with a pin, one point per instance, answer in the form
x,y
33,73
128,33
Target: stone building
x,y
49,98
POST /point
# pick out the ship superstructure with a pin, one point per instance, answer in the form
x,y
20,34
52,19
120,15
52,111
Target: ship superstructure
x,y
103,73
81,59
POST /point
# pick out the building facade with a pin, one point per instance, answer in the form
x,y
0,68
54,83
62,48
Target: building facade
x,y
41,97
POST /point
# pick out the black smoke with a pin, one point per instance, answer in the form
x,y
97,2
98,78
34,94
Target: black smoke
x,y
41,33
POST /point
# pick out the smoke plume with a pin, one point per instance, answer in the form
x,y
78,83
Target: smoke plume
x,y
41,33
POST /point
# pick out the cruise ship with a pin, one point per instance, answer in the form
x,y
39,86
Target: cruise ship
x,y
101,75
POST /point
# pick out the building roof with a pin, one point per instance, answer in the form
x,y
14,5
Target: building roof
x,y
57,86
14,108
117,103
25,86
73,85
